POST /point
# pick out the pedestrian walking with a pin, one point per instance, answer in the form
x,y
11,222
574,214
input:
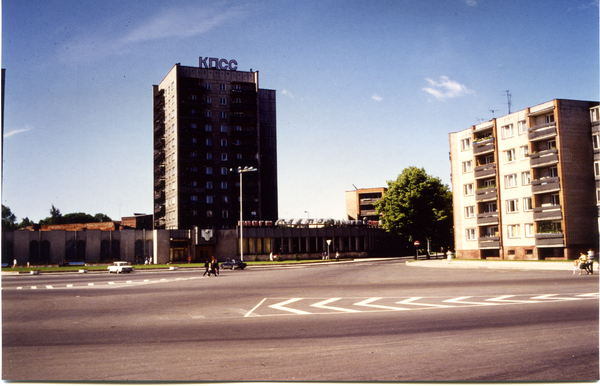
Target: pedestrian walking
x,y
206,267
189,259
449,254
15,263
214,267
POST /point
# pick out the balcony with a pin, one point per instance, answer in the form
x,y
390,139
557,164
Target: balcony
x,y
549,240
545,185
543,131
488,242
553,212
486,194
485,171
483,147
488,218
368,213
543,158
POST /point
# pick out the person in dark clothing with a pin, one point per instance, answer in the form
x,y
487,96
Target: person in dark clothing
x,y
207,267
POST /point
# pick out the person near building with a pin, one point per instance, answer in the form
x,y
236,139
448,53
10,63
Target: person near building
x,y
449,255
206,267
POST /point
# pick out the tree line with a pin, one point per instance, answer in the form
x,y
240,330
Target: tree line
x,y
9,219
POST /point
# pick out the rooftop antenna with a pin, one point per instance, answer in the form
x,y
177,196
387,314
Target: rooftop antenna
x,y
493,111
508,99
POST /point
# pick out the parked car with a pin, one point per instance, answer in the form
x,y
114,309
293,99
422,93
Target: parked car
x,y
120,267
233,264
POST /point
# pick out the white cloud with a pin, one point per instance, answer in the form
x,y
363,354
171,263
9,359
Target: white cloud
x,y
471,3
377,98
172,23
288,93
15,132
446,88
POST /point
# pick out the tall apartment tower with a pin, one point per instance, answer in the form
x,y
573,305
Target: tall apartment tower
x,y
524,186
209,121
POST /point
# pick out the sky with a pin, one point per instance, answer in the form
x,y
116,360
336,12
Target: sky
x,y
364,88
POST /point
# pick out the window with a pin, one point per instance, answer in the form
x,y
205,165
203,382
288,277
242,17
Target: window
x,y
223,171
552,144
507,131
468,189
223,142
598,196
596,141
208,100
237,128
223,101
491,231
208,142
223,156
513,231
509,155
527,204
524,152
469,211
207,86
193,154
491,207
223,185
238,156
597,168
209,199
208,156
553,171
194,198
491,183
223,129
208,114
193,184
193,169
465,144
510,181
225,214
529,230
512,206
223,115
526,178
209,213
549,118
467,166
555,199
209,185
522,125
208,128
222,87
470,234
194,140
225,199
193,126
208,170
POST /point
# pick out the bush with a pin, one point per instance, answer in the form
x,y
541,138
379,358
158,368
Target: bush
x,y
297,258
256,258
279,258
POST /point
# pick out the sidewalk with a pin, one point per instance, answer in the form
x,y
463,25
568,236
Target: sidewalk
x,y
497,264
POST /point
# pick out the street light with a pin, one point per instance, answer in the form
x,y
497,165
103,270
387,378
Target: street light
x,y
241,171
328,242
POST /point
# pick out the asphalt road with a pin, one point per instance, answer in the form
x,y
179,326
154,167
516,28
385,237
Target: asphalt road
x,y
361,321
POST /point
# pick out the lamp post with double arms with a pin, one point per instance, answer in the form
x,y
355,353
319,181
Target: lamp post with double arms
x,y
241,171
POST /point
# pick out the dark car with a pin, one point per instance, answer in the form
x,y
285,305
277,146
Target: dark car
x,y
233,264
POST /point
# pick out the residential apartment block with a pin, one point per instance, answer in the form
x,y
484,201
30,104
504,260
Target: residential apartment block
x,y
523,184
209,121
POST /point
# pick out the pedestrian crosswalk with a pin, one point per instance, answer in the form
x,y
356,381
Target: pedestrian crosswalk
x,y
315,306
99,284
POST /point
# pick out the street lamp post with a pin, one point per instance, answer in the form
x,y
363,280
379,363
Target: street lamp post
x,y
328,243
241,171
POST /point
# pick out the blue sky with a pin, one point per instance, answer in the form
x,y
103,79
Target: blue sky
x,y
364,88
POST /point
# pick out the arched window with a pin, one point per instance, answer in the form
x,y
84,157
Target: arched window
x,y
34,252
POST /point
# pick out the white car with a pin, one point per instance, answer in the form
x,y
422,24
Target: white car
x,y
120,267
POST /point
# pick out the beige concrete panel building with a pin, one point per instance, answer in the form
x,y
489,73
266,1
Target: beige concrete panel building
x,y
524,184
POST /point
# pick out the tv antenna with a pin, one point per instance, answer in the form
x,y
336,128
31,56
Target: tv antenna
x,y
508,99
493,111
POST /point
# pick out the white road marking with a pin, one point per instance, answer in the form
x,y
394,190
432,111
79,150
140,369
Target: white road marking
x,y
503,299
366,303
459,300
49,287
411,301
322,305
280,306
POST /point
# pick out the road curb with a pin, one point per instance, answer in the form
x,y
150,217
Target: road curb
x,y
484,264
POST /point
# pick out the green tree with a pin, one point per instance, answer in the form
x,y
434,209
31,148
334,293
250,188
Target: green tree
x,y
25,223
418,207
9,220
